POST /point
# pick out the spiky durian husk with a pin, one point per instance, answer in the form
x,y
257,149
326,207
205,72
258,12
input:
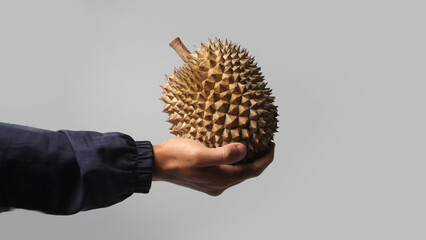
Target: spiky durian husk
x,y
219,97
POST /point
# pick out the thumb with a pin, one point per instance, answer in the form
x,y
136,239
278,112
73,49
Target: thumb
x,y
228,154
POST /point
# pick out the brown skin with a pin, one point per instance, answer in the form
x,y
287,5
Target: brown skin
x,y
190,164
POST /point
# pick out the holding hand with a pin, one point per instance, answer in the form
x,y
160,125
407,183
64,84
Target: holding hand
x,y
190,164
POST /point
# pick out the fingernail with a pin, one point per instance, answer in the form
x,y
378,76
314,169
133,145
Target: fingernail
x,y
242,150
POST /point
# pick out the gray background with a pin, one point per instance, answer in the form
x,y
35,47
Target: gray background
x,y
349,80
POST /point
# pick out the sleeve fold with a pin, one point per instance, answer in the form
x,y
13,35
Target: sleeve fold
x,y
65,172
144,166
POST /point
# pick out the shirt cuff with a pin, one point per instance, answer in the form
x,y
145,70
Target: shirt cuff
x,y
144,163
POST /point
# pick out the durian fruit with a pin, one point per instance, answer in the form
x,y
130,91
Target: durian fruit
x,y
219,97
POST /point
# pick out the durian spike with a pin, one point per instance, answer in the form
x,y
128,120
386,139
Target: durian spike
x,y
181,49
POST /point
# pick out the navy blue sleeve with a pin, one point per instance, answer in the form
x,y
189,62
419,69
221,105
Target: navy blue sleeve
x,y
65,172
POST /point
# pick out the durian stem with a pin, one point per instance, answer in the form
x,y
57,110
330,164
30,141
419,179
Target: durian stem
x,y
180,48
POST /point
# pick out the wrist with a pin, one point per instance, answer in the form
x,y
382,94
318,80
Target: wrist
x,y
158,151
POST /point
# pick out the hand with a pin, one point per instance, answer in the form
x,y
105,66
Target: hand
x,y
190,164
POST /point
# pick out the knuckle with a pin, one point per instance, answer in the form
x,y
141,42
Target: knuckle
x,y
255,173
215,193
224,184
226,154
194,157
194,154
258,172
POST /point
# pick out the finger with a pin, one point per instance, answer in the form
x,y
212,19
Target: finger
x,y
228,154
263,162
249,170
